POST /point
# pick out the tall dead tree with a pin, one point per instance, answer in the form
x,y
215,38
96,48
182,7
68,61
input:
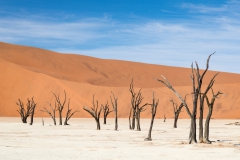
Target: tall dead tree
x,y
51,113
106,111
202,97
176,110
60,105
197,80
137,108
94,112
26,112
210,109
114,102
153,111
69,114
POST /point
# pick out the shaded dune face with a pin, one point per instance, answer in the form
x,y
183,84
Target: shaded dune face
x,y
27,71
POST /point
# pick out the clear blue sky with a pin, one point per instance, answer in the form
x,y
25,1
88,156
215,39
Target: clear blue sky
x,y
165,32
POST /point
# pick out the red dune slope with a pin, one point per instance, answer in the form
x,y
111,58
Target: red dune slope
x,y
27,71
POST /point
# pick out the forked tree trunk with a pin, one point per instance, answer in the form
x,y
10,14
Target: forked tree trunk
x,y
24,119
210,109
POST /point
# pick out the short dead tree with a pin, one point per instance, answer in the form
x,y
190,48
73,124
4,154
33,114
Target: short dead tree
x,y
137,108
51,113
114,102
94,112
210,109
176,110
60,105
25,113
164,118
69,114
154,110
106,111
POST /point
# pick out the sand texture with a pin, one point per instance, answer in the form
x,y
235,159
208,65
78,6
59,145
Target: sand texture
x,y
27,71
81,140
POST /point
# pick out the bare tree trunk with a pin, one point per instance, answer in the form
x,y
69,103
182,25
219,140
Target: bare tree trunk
x,y
105,120
175,120
24,119
133,120
201,123
138,121
98,124
154,110
114,102
60,118
206,130
42,122
32,114
130,127
192,134
210,109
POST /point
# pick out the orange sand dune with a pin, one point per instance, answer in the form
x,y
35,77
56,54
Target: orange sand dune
x,y
27,71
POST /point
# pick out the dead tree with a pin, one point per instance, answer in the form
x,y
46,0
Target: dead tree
x,y
210,109
94,112
154,110
114,102
136,101
196,92
51,113
69,114
25,113
33,106
176,110
164,118
60,105
202,97
106,111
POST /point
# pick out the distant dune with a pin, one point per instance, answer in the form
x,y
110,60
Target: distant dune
x,y
27,71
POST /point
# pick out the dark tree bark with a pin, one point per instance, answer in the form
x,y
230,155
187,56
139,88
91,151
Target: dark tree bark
x,y
106,111
137,108
154,110
60,105
25,113
164,118
33,106
196,77
94,112
69,114
114,102
130,126
176,110
210,109
202,97
51,113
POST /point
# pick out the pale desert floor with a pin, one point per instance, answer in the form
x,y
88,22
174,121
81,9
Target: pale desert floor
x,y
80,140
